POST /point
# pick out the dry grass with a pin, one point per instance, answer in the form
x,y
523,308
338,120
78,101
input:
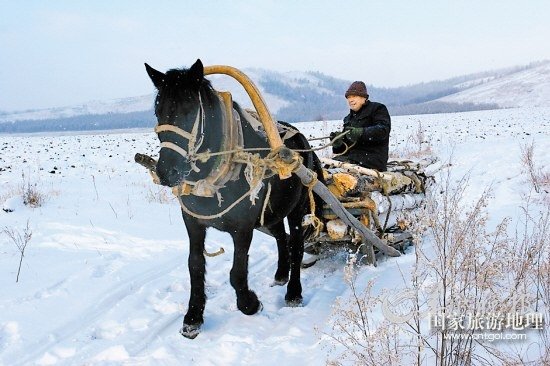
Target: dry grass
x,y
30,192
158,194
463,270
538,177
416,146
7,192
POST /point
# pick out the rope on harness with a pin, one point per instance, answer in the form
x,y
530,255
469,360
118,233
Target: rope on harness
x,y
348,148
281,167
266,201
255,172
337,137
257,169
209,217
312,219
193,144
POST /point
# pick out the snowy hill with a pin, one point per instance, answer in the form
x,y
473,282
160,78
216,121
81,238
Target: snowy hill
x,y
290,96
525,88
145,102
307,96
121,105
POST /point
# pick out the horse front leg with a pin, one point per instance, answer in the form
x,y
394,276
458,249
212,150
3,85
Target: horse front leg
x,y
196,263
293,295
247,301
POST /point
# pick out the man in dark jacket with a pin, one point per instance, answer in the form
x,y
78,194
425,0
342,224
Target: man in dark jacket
x,y
368,128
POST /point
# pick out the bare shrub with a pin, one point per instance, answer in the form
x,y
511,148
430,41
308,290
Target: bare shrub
x,y
32,196
467,280
537,177
8,191
158,194
478,271
364,340
20,240
417,145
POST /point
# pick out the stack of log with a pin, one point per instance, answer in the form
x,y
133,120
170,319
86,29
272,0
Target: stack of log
x,y
377,199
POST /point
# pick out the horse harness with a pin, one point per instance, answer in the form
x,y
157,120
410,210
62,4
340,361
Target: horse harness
x,y
230,158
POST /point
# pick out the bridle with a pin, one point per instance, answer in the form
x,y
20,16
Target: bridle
x,y
193,145
224,168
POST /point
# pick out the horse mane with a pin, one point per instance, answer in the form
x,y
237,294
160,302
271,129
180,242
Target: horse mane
x,y
179,86
176,78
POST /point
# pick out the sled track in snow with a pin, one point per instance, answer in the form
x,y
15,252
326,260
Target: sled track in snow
x,y
92,313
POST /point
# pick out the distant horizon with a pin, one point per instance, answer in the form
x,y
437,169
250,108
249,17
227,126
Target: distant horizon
x,y
519,66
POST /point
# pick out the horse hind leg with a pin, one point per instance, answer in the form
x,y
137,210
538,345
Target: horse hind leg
x,y
293,295
196,263
283,264
247,301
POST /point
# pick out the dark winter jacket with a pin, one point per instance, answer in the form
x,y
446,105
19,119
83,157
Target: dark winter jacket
x,y
371,150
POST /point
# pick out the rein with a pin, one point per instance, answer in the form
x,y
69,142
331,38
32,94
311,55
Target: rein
x,y
257,168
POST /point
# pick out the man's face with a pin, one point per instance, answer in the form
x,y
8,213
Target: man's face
x,y
356,102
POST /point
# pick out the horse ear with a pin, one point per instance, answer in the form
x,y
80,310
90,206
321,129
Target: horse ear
x,y
156,76
197,71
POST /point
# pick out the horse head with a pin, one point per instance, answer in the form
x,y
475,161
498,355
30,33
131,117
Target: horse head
x,y
184,101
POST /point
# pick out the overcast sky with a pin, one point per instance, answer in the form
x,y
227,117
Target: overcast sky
x,y
66,52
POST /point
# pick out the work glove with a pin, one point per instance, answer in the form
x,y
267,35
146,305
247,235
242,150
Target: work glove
x,y
336,144
354,134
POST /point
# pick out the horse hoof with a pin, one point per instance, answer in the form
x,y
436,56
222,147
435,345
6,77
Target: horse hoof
x,y
249,304
190,331
248,311
258,310
296,303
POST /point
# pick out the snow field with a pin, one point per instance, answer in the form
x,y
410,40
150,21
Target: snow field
x,y
104,278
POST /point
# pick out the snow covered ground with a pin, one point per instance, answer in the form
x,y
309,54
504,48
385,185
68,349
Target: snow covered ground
x,y
104,279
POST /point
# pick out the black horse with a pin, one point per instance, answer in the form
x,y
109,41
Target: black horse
x,y
187,101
